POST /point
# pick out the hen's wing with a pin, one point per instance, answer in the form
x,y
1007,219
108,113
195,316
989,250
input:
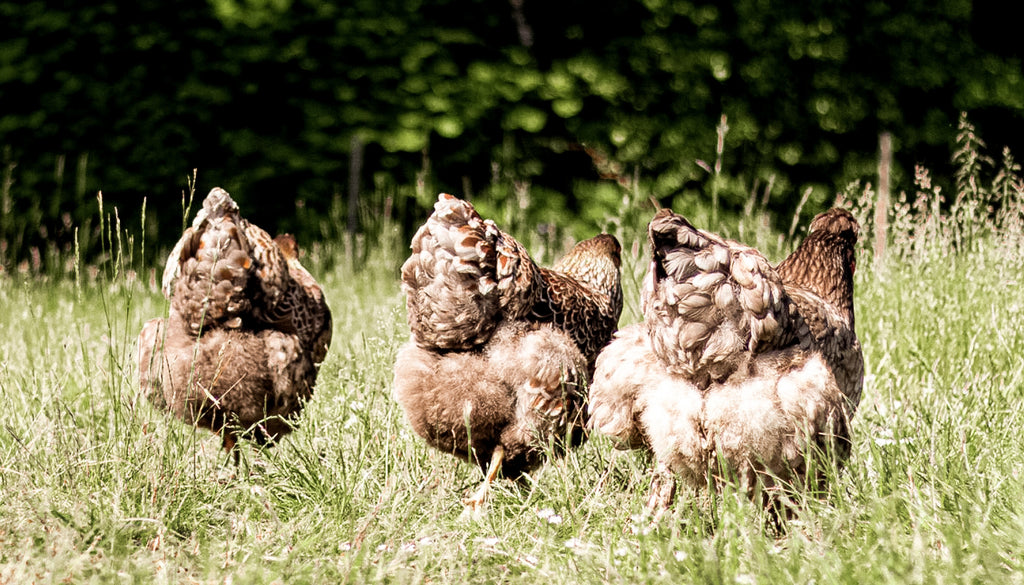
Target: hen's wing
x,y
302,308
225,271
463,277
710,303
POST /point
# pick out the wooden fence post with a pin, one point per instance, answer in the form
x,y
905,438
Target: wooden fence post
x,y
882,202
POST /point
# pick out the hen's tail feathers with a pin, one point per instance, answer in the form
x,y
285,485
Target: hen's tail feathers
x,y
207,273
595,264
217,206
225,272
464,276
710,303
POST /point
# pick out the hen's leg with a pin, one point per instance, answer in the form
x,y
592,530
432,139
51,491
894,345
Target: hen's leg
x,y
230,444
475,503
662,492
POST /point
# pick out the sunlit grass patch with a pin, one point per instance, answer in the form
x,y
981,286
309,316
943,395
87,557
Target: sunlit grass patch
x,y
96,484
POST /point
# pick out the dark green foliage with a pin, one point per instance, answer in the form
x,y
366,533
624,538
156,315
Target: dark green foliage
x,y
269,98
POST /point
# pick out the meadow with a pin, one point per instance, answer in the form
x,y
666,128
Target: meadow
x,y
97,486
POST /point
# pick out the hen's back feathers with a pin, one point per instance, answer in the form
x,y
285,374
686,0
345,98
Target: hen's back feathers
x,y
228,272
709,303
465,276
583,294
207,273
824,262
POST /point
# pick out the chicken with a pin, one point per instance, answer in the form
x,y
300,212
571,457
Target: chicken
x,y
247,330
739,370
501,350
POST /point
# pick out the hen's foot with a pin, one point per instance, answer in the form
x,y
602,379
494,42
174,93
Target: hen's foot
x,y
475,503
661,494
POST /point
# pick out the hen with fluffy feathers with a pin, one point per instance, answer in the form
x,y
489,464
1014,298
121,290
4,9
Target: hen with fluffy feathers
x,y
740,369
247,329
502,350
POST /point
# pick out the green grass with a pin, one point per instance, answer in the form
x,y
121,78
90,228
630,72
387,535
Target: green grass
x,y
98,486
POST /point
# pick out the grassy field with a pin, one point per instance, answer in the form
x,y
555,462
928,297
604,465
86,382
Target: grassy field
x,y
98,486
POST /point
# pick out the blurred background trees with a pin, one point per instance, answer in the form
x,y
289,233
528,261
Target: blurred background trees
x,y
322,117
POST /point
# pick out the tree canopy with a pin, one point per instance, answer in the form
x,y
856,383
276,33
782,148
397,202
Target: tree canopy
x,y
290,103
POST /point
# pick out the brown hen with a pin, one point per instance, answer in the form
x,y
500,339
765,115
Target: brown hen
x,y
502,350
739,369
247,329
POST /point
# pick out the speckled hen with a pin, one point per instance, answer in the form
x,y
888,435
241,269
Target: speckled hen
x,y
247,330
502,350
740,369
